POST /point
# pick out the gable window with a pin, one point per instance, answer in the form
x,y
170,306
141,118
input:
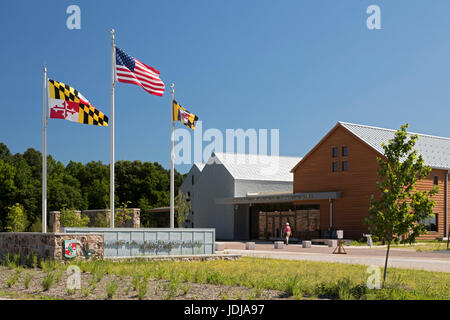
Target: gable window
x,y
335,167
344,151
335,152
436,180
431,223
192,179
344,165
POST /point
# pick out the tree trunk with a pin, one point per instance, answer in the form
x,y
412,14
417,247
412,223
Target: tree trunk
x,y
386,262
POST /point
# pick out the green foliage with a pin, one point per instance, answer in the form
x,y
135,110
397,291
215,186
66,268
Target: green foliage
x,y
27,280
111,288
142,289
16,220
69,218
81,186
36,226
122,215
183,208
48,281
86,291
401,209
13,278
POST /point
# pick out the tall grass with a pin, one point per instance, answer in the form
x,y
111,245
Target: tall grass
x,y
301,279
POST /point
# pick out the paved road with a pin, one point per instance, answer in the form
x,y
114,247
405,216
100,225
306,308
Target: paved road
x,y
400,258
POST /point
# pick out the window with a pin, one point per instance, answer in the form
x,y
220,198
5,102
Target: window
x,y
344,151
344,165
431,223
335,152
192,179
436,180
335,167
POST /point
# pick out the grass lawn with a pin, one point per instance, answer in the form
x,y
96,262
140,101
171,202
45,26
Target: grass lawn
x,y
421,246
301,279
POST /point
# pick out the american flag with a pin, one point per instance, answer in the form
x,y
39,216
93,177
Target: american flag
x,y
131,70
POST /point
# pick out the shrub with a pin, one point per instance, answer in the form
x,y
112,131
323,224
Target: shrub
x,y
122,215
86,292
69,218
142,289
16,220
27,280
13,279
48,281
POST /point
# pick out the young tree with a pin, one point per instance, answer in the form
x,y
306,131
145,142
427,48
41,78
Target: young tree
x,y
16,220
183,209
400,209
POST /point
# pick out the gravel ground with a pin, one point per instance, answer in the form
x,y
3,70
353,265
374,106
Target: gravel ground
x,y
157,289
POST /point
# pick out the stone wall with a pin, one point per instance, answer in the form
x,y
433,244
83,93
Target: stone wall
x,y
95,216
49,245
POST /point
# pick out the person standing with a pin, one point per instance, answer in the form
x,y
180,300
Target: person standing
x,y
287,232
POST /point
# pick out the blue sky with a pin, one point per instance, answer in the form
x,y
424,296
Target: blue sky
x,y
299,66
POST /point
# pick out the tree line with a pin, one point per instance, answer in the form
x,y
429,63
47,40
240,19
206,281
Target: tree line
x,y
77,186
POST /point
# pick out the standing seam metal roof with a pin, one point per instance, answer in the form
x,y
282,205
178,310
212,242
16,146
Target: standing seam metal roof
x,y
257,167
434,150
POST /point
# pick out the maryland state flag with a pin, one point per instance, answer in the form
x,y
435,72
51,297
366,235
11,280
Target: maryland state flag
x,y
181,114
67,103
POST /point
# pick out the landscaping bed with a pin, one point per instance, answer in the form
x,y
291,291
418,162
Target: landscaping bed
x,y
246,279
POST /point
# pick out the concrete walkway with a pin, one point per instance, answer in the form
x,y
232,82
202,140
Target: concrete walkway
x,y
400,258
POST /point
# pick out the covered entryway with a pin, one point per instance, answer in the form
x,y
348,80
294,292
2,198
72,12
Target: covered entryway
x,y
266,215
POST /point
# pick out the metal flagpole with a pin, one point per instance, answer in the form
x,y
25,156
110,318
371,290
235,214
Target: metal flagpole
x,y
111,123
44,155
172,156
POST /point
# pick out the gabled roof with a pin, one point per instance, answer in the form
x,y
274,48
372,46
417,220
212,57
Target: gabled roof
x,y
200,166
256,167
434,150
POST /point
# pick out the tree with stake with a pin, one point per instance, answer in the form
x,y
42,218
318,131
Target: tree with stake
x,y
400,209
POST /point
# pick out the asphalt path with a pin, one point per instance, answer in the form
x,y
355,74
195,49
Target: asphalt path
x,y
399,258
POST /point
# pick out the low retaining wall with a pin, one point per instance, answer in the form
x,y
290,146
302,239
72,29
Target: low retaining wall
x,y
129,242
49,245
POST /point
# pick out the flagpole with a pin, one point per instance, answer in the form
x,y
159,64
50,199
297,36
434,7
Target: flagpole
x,y
172,156
111,123
44,154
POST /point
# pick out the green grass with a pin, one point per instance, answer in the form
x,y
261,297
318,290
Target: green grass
x,y
48,281
24,296
298,278
111,288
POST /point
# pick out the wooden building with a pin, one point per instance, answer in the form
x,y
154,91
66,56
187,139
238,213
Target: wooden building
x,y
334,181
345,161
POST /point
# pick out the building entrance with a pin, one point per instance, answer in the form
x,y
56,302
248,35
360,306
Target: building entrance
x,y
303,219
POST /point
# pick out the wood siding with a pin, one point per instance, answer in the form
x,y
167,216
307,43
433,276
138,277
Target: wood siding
x,y
314,174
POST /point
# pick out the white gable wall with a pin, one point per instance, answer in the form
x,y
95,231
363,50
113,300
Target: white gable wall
x,y
215,183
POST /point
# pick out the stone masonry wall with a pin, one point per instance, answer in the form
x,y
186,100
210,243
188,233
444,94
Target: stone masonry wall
x,y
49,245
